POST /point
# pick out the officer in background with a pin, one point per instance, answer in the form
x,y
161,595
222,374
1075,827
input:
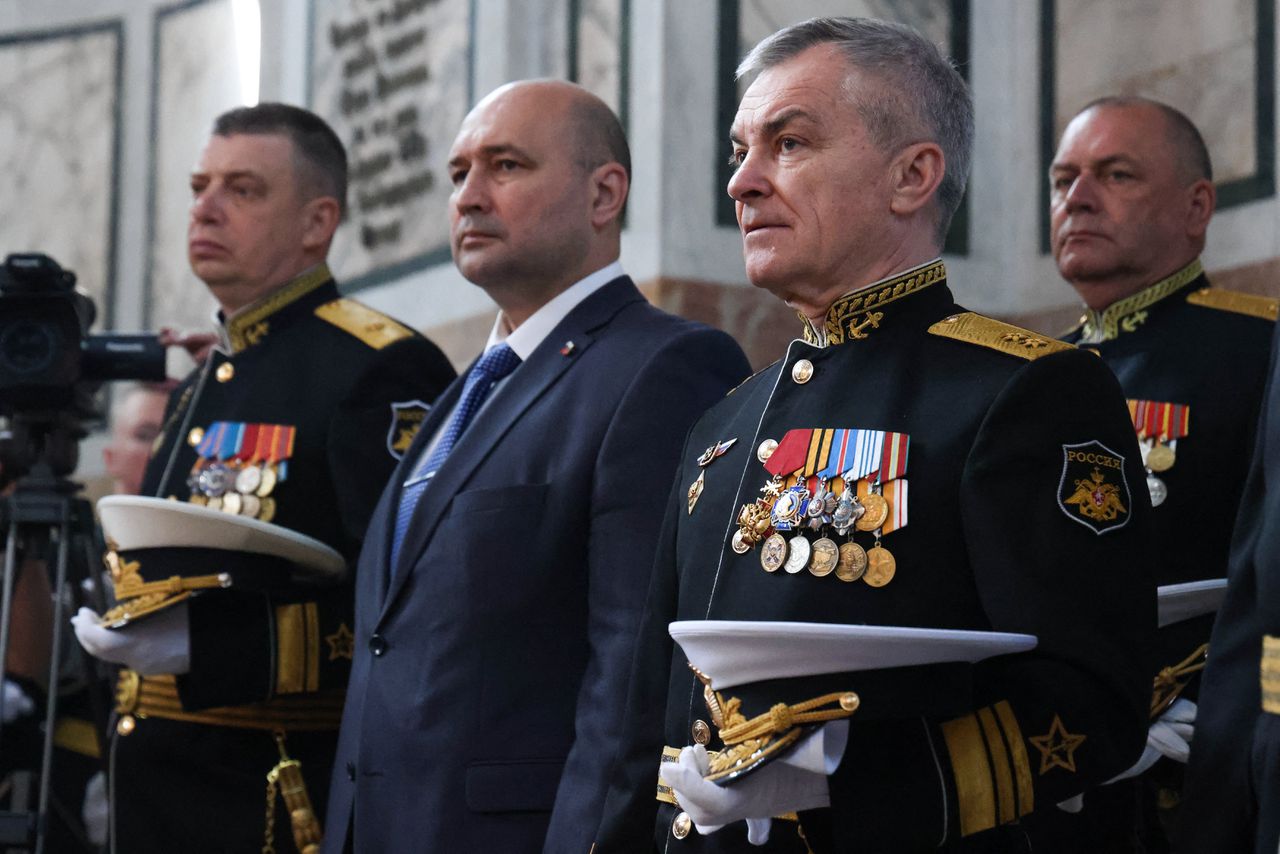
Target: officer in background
x,y
1131,198
295,418
136,418
1027,508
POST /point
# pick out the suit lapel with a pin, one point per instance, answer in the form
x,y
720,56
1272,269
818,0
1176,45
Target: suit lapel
x,y
526,385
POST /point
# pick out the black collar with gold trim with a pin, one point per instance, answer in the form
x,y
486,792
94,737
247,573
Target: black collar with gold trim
x,y
854,315
251,324
1128,314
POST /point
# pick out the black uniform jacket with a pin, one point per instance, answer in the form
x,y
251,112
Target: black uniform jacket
x,y
993,542
1231,801
333,369
336,383
1180,341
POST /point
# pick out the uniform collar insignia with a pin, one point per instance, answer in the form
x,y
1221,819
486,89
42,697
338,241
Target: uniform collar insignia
x,y
250,324
854,315
1128,314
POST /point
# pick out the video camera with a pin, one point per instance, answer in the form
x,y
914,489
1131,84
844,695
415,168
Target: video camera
x,y
47,355
51,367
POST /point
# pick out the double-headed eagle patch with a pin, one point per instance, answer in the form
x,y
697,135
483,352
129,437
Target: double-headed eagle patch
x,y
1093,490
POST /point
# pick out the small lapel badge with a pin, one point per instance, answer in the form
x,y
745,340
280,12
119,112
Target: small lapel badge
x,y
567,349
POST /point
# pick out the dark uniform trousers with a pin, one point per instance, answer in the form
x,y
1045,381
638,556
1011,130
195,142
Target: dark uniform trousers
x,y
1231,801
950,758
190,757
1177,341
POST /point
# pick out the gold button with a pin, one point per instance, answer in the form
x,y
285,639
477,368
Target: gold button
x,y
126,725
850,702
195,436
801,371
766,449
701,732
225,372
681,826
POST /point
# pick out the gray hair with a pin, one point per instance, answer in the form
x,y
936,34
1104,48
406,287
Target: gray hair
x,y
925,94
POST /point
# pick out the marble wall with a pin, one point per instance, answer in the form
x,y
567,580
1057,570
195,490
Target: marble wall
x,y
393,78
599,46
59,131
193,84
1211,78
665,62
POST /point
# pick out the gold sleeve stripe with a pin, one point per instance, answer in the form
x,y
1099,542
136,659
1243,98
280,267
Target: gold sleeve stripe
x,y
1270,674
372,327
1000,762
76,735
972,769
297,648
1021,762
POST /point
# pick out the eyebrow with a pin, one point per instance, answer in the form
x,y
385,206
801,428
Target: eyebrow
x,y
231,176
493,151
1110,160
777,123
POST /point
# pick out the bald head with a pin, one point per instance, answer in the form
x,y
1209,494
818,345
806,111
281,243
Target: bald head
x,y
1187,146
540,171
1131,197
585,122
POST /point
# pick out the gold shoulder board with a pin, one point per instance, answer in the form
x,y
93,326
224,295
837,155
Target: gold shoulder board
x,y
1005,337
1251,304
372,327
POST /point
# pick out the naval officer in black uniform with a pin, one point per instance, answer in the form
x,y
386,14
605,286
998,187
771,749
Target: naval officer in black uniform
x,y
1231,801
1131,198
1027,509
297,417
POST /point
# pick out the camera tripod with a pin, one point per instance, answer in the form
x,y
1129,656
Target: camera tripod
x,y
44,510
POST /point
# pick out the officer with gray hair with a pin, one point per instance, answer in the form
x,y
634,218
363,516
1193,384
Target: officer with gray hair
x,y
860,677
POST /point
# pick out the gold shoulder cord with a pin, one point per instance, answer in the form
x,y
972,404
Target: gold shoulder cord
x,y
1172,681
287,777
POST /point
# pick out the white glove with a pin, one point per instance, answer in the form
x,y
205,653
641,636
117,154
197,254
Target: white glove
x,y
16,702
159,644
95,810
1169,736
775,789
1073,804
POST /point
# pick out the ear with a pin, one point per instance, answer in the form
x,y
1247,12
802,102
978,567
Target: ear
x,y
320,220
1202,197
609,186
915,173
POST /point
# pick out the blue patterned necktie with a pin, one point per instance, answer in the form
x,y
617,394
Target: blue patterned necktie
x,y
495,364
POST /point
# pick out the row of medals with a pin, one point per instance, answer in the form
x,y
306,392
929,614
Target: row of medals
x,y
844,513
1159,458
239,491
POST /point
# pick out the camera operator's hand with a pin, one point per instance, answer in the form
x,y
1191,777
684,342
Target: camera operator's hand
x,y
16,702
159,644
197,344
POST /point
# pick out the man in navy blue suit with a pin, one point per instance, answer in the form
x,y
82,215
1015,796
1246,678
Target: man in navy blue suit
x,y
507,563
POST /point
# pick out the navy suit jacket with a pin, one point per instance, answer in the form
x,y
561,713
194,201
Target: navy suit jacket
x,y
490,666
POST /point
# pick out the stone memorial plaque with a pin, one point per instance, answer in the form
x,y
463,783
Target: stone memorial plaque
x,y
197,77
1196,56
599,55
59,126
393,79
